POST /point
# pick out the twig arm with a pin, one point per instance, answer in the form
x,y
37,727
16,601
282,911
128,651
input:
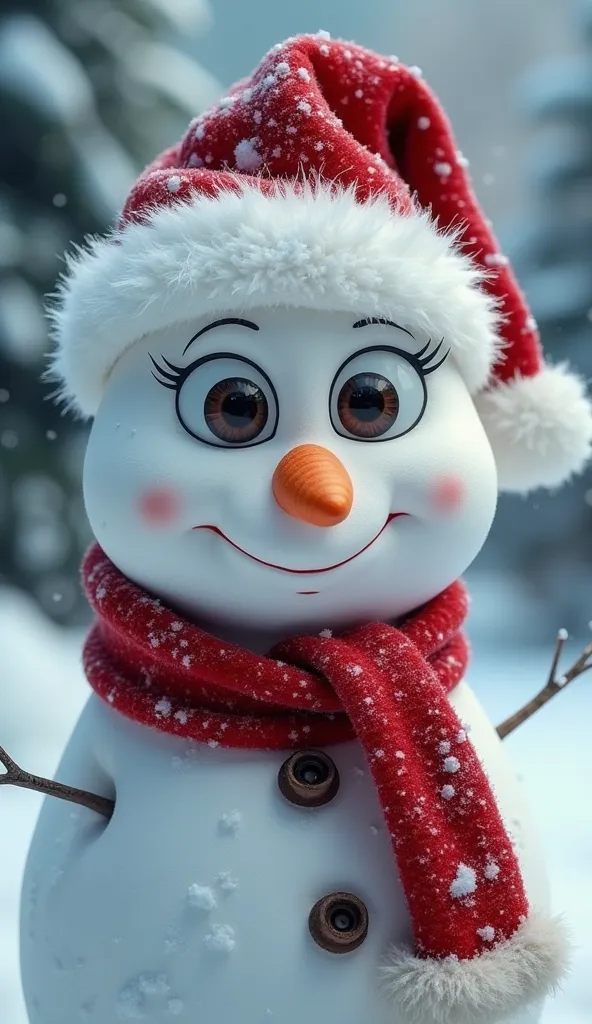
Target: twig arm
x,y
17,776
552,687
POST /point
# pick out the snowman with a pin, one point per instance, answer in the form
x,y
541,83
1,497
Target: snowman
x,y
310,372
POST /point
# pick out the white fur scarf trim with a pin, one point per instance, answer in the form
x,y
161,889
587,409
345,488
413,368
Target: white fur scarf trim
x,y
485,990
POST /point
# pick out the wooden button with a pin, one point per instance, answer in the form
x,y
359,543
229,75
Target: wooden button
x,y
309,778
339,922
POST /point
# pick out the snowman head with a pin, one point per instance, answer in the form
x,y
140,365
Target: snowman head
x,y
306,357
290,467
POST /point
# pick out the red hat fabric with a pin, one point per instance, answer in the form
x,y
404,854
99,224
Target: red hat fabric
x,y
329,179
479,950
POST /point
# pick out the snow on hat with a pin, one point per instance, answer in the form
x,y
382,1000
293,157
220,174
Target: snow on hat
x,y
329,179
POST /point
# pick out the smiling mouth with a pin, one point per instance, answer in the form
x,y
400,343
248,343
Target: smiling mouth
x,y
301,572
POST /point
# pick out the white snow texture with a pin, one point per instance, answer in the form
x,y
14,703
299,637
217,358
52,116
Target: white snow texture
x,y
42,692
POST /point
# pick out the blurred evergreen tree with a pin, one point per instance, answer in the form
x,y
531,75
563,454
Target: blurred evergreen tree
x,y
90,91
548,537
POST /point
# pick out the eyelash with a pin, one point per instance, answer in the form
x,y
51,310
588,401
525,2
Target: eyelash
x,y
422,359
172,380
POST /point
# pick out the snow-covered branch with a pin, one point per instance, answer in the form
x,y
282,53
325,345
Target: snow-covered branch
x,y
555,683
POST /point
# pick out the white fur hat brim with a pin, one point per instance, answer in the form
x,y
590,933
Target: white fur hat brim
x,y
313,247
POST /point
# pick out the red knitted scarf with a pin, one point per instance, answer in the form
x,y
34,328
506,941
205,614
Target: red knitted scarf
x,y
388,686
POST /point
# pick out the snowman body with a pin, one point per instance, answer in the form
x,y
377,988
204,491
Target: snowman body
x,y
310,371
192,903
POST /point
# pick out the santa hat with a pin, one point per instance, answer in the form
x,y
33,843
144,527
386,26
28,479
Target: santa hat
x,y
329,179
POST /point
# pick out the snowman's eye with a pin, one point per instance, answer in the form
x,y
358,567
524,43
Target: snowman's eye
x,y
380,393
224,400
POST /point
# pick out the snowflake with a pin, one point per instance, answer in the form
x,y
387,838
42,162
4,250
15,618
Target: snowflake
x,y
496,259
226,881
163,708
230,822
201,897
487,933
246,156
221,939
492,870
443,169
464,883
423,123
174,183
451,764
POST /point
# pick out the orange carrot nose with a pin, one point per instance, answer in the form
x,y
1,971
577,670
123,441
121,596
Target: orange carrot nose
x,y
311,484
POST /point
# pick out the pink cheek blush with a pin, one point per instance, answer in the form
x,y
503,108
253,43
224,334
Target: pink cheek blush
x,y
447,493
158,506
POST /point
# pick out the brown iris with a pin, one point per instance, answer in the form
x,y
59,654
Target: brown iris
x,y
368,405
236,410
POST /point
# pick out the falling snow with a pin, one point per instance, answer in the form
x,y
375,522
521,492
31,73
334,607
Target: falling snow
x,y
451,764
447,792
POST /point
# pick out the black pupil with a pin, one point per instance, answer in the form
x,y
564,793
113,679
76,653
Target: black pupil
x,y
240,406
311,772
344,919
367,401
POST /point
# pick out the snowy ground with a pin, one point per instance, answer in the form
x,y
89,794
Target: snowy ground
x,y
42,691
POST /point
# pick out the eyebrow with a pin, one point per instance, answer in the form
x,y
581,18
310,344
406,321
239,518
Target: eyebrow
x,y
222,323
380,320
